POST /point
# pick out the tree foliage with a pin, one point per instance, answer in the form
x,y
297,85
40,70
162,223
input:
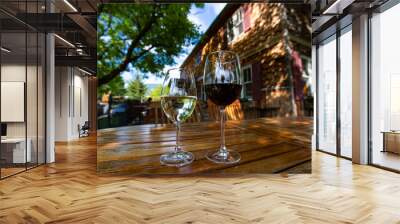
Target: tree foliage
x,y
137,89
146,37
116,86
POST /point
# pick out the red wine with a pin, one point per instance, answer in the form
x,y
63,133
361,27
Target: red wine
x,y
223,94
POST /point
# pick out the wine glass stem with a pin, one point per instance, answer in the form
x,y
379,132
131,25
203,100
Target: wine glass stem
x,y
222,148
178,129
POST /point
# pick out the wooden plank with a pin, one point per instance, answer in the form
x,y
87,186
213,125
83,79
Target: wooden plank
x,y
137,149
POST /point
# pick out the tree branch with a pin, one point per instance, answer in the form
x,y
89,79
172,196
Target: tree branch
x,y
128,57
116,72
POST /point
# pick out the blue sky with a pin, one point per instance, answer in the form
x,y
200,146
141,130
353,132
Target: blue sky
x,y
203,18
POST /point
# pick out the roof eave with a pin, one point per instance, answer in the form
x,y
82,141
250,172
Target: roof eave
x,y
219,21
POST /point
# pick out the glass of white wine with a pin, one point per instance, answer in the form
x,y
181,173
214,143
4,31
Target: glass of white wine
x,y
178,101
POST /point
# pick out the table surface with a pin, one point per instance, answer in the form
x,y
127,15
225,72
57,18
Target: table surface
x,y
266,145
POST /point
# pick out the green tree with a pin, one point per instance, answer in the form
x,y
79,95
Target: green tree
x,y
156,93
116,86
137,89
146,37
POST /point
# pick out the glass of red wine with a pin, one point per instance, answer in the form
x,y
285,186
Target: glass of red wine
x,y
223,85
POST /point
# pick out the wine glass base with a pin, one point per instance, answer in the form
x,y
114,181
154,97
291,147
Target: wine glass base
x,y
177,159
224,158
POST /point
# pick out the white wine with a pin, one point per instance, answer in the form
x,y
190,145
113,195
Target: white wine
x,y
178,108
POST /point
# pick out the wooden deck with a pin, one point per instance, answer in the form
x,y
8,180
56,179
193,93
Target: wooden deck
x,y
266,145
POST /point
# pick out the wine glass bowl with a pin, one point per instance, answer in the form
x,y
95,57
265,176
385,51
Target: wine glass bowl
x,y
222,85
178,101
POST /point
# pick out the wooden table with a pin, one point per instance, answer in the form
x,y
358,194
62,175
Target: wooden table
x,y
267,145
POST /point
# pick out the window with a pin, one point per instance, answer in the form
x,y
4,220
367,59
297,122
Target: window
x,y
335,107
247,82
235,25
22,87
327,95
346,92
385,89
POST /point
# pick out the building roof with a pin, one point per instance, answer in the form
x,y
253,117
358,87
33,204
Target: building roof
x,y
218,22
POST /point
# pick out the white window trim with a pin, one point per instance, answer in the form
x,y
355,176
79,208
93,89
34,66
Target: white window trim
x,y
244,83
242,24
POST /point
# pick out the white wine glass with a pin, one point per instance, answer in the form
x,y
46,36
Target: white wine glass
x,y
223,85
178,101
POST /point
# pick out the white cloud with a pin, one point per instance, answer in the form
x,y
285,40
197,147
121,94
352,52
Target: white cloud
x,y
217,7
127,76
152,79
194,16
204,16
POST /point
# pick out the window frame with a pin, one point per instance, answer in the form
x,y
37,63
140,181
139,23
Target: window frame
x,y
243,93
38,45
334,37
234,29
370,73
337,28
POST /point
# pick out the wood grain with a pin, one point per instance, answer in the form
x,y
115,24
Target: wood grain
x,y
70,191
267,145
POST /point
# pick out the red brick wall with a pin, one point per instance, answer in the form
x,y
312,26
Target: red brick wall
x,y
262,46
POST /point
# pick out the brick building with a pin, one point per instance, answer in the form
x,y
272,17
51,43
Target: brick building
x,y
274,45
